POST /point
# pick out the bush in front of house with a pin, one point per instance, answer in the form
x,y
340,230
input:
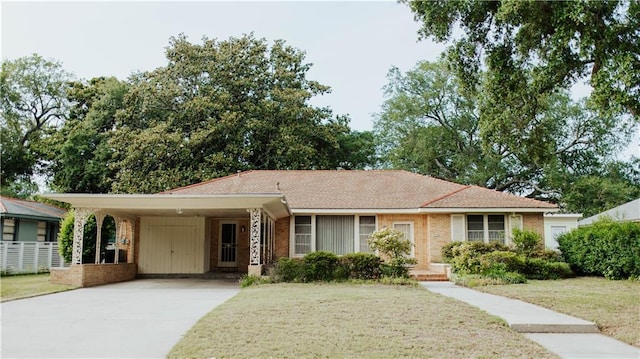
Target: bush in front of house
x,y
288,270
359,266
604,248
319,266
394,249
500,264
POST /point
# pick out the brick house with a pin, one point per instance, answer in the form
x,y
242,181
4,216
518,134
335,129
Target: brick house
x,y
241,222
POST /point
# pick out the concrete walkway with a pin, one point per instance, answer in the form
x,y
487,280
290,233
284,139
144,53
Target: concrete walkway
x,y
567,336
138,319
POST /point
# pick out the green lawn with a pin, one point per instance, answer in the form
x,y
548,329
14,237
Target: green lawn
x,y
350,320
613,305
24,286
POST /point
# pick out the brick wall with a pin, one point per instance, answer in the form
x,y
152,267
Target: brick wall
x,y
533,222
420,235
87,275
439,235
282,237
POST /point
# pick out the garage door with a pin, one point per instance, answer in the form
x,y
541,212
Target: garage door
x,y
170,248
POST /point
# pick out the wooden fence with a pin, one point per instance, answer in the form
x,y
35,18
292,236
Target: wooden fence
x,y
29,257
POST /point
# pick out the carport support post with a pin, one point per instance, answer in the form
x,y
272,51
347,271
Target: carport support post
x,y
99,220
255,268
80,220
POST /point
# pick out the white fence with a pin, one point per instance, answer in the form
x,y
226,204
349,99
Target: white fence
x,y
29,257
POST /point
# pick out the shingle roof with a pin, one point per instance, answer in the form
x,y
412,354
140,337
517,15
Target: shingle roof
x,y
380,189
29,209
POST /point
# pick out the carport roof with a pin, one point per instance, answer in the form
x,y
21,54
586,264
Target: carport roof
x,y
205,205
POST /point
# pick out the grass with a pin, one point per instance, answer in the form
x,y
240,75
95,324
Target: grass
x,y
613,305
25,286
350,320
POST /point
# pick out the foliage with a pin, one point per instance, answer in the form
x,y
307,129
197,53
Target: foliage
x,y
394,248
538,268
499,264
527,243
447,250
605,248
33,104
288,270
319,266
82,161
615,185
478,280
223,106
249,280
555,44
361,265
466,256
65,237
432,124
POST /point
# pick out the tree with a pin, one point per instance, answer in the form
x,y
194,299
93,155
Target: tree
x,y
558,43
33,102
430,123
616,184
82,159
220,107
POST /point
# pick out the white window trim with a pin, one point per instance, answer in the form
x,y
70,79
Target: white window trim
x,y
292,231
411,235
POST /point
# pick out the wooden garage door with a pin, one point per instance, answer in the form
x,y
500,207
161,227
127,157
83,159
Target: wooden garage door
x,y
170,249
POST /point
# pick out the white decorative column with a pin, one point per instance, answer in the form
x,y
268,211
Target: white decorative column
x,y
255,267
99,219
81,215
131,257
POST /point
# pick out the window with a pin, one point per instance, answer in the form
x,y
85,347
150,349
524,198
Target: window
x,y
302,235
335,234
367,227
486,228
475,227
407,229
338,234
9,229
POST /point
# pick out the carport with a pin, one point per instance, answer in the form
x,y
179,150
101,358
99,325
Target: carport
x,y
137,319
171,233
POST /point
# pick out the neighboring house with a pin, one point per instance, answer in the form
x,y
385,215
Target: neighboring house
x,y
240,222
29,221
629,211
556,224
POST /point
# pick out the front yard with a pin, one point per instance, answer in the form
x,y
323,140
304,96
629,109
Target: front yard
x,y
24,286
349,320
613,305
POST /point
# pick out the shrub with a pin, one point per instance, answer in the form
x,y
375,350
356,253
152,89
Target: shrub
x,y
288,270
527,243
359,266
507,261
395,249
604,248
538,268
477,280
466,256
447,251
319,266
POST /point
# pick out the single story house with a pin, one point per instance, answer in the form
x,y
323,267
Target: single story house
x,y
629,211
29,221
241,222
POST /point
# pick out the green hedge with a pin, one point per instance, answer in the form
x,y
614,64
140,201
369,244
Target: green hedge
x,y
604,248
326,266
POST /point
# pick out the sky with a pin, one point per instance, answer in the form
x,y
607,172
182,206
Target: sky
x,y
352,45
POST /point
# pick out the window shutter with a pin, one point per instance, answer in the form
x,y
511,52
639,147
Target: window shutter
x,y
457,227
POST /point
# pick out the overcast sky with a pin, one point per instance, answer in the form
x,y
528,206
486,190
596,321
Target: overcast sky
x,y
352,45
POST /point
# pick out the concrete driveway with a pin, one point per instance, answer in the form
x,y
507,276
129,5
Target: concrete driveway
x,y
138,319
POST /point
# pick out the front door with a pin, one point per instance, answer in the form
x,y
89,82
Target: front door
x,y
228,247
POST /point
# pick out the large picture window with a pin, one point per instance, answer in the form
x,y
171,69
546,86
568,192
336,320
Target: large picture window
x,y
338,234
